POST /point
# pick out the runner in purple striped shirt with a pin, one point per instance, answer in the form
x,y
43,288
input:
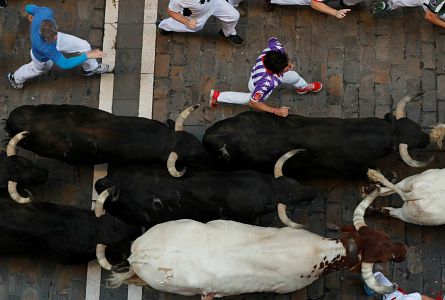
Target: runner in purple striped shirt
x,y
271,69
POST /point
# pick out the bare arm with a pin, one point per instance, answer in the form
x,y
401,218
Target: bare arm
x,y
190,23
425,297
282,111
433,18
321,7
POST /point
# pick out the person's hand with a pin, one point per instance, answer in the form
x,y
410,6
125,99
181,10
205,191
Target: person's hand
x,y
191,23
281,111
96,54
429,15
341,13
209,296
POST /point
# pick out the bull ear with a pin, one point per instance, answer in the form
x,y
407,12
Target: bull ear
x,y
347,228
389,117
170,123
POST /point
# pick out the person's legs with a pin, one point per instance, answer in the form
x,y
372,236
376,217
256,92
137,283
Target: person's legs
x,y
393,4
294,79
351,2
231,97
171,24
71,44
228,15
30,70
236,4
302,87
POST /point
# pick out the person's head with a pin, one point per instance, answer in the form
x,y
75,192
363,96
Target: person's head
x,y
48,31
276,61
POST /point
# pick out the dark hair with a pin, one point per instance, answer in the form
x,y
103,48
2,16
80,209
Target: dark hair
x,y
276,61
48,30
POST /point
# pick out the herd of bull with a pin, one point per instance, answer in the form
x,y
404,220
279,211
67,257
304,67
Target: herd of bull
x,y
168,182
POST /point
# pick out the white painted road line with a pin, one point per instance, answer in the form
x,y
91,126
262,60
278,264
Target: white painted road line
x,y
146,85
92,290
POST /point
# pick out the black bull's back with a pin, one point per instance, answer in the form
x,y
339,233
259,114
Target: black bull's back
x,y
333,145
64,233
148,195
85,135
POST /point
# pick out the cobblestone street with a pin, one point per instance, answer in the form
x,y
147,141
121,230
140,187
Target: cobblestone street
x,y
365,63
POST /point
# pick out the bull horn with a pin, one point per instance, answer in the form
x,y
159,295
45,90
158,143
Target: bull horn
x,y
437,134
179,124
278,169
404,154
370,281
376,176
103,261
359,212
14,194
11,148
278,172
400,111
12,185
99,206
171,165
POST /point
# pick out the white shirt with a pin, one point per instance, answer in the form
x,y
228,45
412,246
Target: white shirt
x,y
199,8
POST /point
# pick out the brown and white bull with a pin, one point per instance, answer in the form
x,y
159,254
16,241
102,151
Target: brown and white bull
x,y
422,194
222,258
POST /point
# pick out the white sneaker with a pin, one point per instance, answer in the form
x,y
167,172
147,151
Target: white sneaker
x,y
14,84
102,68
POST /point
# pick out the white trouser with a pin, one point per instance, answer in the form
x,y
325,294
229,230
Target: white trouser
x,y
308,2
223,11
397,295
65,43
290,77
393,4
234,3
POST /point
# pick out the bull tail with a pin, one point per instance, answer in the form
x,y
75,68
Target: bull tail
x,y
130,277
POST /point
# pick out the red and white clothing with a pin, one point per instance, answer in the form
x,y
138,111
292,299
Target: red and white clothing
x,y
262,82
308,2
202,10
398,294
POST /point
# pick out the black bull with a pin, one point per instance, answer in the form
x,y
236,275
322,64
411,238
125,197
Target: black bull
x,y
20,170
333,146
66,234
148,195
84,135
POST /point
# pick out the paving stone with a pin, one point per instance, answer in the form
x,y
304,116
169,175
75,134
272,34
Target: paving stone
x,y
428,119
130,36
382,96
381,72
127,61
335,89
441,87
441,111
126,80
428,56
177,54
132,12
350,100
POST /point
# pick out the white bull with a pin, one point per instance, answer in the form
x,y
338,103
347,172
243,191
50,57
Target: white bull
x,y
423,197
222,258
